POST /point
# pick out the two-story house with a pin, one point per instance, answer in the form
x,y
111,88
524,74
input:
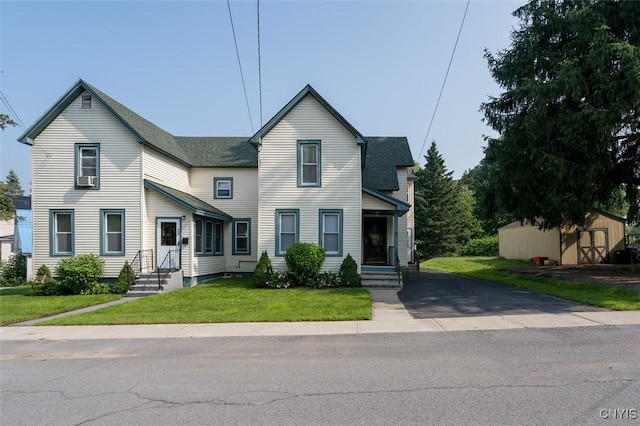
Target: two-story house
x,y
107,181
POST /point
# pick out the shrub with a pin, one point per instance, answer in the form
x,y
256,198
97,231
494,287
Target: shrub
x,y
327,280
14,271
349,272
44,284
97,288
279,279
126,279
79,273
485,246
263,271
304,261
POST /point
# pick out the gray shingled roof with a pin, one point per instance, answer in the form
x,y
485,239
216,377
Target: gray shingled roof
x,y
219,151
384,155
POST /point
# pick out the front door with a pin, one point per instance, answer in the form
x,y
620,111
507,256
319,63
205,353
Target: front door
x,y
375,240
168,243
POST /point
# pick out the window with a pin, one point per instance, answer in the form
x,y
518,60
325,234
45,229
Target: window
x,y
218,238
198,242
309,167
86,101
208,237
87,165
287,230
61,228
331,232
242,236
112,232
223,187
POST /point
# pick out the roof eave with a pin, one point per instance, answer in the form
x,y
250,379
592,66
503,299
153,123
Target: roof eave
x,y
221,216
400,205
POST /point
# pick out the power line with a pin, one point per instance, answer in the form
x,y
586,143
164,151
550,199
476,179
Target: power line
x,y
233,30
11,110
259,69
445,80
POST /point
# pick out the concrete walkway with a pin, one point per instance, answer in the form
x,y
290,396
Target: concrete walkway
x,y
389,316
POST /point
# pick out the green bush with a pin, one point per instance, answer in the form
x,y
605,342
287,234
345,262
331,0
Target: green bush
x,y
126,279
97,288
349,272
263,271
304,261
44,284
13,271
485,246
79,273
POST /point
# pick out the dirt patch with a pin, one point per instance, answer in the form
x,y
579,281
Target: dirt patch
x,y
605,274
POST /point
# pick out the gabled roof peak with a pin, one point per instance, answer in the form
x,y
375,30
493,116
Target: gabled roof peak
x,y
308,90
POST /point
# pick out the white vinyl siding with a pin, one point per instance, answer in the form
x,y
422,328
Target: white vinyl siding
x,y
53,181
341,182
402,195
165,171
244,204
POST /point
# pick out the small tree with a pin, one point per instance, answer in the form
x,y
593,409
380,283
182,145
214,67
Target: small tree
x,y
14,270
80,273
349,272
126,279
304,261
263,271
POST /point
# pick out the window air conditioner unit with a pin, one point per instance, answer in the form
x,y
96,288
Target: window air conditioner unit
x,y
86,181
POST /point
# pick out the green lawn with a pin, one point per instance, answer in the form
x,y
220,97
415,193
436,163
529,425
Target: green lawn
x,y
16,306
232,300
489,268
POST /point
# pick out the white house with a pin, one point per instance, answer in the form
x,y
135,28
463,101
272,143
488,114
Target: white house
x,y
109,182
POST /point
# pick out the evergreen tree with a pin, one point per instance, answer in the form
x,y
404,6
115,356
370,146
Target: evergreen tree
x,y
14,189
569,117
436,202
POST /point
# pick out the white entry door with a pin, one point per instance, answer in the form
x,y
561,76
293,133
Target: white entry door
x,y
168,241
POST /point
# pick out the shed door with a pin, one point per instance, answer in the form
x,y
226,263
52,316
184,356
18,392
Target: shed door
x,y
593,245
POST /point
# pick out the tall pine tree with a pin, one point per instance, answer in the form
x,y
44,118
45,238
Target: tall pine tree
x,y
14,189
436,202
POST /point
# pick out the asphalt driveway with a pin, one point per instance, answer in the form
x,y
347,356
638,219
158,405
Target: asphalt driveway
x,y
434,294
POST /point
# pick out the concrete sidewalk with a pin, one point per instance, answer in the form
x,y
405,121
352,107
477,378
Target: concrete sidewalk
x,y
389,316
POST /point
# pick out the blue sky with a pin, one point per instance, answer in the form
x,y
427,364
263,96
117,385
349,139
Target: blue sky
x,y
380,64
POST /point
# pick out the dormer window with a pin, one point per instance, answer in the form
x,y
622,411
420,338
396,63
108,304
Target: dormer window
x,y
86,101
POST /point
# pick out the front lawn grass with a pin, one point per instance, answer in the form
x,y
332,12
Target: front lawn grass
x,y
489,268
232,300
16,306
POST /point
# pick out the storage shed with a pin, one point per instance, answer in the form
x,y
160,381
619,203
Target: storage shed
x,y
596,242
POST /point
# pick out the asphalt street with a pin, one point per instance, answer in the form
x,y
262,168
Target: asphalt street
x,y
434,294
582,375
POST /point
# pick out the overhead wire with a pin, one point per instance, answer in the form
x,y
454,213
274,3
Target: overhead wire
x,y
455,46
11,110
244,87
259,69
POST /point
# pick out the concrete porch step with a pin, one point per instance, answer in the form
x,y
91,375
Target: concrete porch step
x,y
380,280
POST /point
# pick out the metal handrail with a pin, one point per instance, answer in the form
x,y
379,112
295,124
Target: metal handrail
x,y
142,261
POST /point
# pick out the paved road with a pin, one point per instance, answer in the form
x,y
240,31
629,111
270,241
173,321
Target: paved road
x,y
534,376
433,294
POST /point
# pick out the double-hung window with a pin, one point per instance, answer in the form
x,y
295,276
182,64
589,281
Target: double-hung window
x,y
287,230
242,236
331,232
87,173
112,233
208,237
223,188
61,228
309,164
198,243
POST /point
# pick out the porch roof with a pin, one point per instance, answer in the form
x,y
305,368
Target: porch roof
x,y
188,201
400,206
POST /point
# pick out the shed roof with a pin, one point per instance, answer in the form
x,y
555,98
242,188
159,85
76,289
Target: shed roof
x,y
193,204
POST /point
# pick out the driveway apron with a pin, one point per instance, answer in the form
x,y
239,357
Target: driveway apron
x,y
434,294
